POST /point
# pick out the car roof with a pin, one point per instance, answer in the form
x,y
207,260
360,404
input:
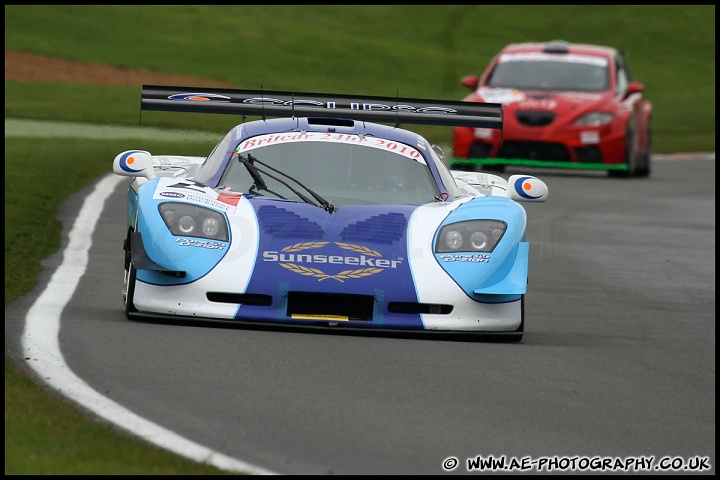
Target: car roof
x,y
560,46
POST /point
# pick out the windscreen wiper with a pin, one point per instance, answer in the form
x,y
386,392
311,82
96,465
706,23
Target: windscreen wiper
x,y
250,161
253,171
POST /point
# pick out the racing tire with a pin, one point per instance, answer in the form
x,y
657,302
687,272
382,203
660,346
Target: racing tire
x,y
129,293
643,169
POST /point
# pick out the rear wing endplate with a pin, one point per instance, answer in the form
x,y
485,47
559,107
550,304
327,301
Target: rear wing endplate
x,y
269,103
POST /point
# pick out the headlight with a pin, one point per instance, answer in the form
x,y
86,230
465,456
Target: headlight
x,y
194,221
594,119
470,236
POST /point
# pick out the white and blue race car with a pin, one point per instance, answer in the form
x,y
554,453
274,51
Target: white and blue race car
x,y
323,216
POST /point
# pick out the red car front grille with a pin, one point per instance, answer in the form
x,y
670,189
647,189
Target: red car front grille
x,y
530,118
555,152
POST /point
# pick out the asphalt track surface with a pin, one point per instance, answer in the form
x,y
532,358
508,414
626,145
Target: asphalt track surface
x,y
618,362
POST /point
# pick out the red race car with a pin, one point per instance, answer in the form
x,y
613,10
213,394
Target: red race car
x,y
564,106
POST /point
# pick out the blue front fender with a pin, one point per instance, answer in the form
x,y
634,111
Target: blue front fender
x,y
196,257
502,272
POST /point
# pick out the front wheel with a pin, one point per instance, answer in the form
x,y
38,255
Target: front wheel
x,y
643,169
129,291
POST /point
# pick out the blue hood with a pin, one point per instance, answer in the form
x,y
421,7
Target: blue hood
x,y
357,249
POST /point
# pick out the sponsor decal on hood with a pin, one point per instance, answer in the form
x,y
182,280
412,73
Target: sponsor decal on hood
x,y
363,261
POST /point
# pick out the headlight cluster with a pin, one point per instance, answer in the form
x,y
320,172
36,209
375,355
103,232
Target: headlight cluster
x,y
194,221
594,119
470,236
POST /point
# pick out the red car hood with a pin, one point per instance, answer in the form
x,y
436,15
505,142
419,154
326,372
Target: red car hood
x,y
568,102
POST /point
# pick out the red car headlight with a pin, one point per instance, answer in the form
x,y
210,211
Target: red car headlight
x,y
594,119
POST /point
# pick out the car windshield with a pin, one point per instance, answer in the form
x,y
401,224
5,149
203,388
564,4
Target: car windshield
x,y
578,74
355,171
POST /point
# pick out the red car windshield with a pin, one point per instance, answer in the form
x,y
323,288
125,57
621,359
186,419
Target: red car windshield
x,y
546,73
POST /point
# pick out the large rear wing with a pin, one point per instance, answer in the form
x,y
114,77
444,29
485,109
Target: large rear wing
x,y
269,103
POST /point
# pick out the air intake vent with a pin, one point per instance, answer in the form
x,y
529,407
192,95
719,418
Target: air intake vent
x,y
557,46
535,119
354,307
240,298
331,122
407,307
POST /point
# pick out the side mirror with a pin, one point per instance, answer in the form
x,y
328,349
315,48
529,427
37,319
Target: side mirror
x,y
471,82
634,87
134,163
525,188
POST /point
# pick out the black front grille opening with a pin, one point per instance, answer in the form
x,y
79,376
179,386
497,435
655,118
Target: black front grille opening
x,y
238,298
477,150
480,150
589,155
413,307
354,307
535,119
535,151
